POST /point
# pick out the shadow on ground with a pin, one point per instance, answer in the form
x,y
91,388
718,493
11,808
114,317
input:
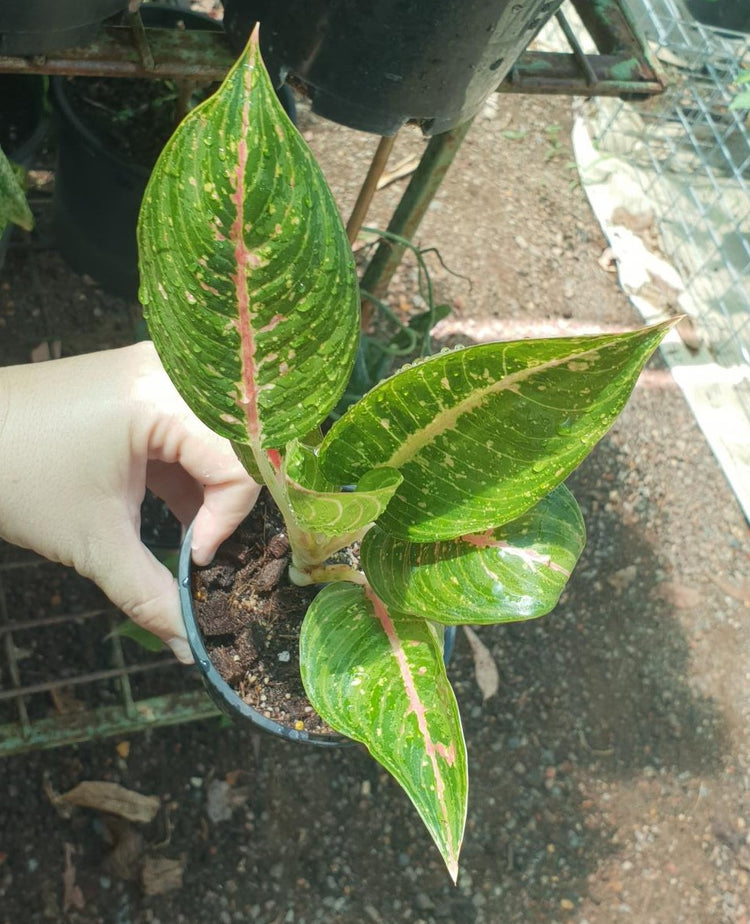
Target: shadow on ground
x,y
597,690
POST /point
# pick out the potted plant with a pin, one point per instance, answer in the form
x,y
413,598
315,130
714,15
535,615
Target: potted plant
x,y
374,66
733,15
14,209
446,477
22,129
110,131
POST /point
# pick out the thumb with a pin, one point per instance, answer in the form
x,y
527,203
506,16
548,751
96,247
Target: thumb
x,y
224,507
138,584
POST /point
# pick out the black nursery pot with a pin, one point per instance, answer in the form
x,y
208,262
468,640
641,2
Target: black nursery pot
x,y
220,691
98,192
37,27
374,66
23,125
722,14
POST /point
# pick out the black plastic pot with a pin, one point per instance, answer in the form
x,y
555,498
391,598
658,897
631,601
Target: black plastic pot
x,y
374,66
36,27
733,15
219,690
23,125
97,191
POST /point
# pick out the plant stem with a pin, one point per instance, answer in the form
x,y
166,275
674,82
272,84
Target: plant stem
x,y
326,574
184,95
309,550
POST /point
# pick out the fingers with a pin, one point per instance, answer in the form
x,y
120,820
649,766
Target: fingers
x,y
139,585
216,510
166,433
224,508
179,490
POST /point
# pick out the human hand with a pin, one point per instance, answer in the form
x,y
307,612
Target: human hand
x,y
80,440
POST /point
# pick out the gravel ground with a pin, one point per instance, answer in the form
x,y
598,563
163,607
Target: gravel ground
x,y
609,774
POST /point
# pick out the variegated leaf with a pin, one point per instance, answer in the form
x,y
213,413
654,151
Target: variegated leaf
x,y
481,434
13,205
320,507
380,679
516,571
247,277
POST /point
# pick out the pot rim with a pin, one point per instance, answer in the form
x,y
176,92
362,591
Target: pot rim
x,y
221,692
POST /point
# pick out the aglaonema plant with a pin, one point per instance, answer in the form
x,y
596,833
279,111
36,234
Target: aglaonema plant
x,y
449,473
13,205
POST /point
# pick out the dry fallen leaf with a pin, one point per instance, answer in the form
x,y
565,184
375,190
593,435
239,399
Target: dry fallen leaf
x,y
125,859
64,700
123,749
608,261
160,874
72,895
485,669
222,799
113,799
233,777
403,168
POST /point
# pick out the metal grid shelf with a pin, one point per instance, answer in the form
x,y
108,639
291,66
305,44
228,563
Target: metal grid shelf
x,y
64,677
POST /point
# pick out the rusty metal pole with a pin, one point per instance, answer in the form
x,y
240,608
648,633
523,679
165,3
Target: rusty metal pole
x,y
433,166
370,185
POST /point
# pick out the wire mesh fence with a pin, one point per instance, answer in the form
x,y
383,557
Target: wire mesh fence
x,y
691,153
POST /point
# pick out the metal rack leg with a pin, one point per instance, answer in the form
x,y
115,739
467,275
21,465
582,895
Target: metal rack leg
x,y
379,160
433,166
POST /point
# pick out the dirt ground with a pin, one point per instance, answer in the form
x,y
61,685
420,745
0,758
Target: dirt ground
x,y
609,774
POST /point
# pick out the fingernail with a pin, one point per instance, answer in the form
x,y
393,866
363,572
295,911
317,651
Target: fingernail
x,y
200,555
181,649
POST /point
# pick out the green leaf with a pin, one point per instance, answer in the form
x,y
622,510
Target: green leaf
x,y
741,101
380,679
129,629
482,434
13,205
321,507
247,276
517,571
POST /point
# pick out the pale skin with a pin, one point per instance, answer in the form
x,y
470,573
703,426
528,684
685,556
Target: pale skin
x,y
80,440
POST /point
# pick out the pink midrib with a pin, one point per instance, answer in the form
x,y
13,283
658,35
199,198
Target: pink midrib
x,y
529,556
417,707
242,256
